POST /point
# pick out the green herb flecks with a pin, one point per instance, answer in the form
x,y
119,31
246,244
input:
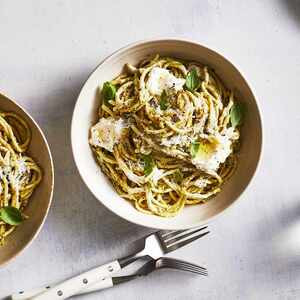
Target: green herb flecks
x,y
163,103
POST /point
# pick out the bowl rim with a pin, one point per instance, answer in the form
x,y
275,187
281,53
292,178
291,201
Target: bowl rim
x,y
33,236
234,66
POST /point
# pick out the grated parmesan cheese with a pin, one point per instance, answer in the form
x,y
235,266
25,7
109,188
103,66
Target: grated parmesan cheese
x,y
201,183
176,140
161,79
156,175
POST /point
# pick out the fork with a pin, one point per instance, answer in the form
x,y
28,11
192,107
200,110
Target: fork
x,y
155,245
147,268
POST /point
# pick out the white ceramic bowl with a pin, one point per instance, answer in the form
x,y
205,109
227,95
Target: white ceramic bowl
x,y
85,115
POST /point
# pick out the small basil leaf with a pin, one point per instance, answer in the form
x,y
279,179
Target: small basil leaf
x,y
192,80
11,215
194,149
237,114
148,164
163,103
108,91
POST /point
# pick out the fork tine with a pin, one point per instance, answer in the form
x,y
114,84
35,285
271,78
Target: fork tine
x,y
178,245
185,264
203,273
187,269
182,263
199,272
197,268
177,238
174,265
164,232
167,234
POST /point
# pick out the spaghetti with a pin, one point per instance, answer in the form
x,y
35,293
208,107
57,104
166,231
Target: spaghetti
x,y
166,137
19,174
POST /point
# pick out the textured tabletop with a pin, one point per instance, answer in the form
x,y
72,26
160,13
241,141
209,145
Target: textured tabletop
x,y
47,50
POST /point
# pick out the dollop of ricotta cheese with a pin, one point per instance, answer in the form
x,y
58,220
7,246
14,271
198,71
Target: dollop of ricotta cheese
x,y
217,154
107,132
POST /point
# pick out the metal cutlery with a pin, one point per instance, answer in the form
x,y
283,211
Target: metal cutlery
x,y
147,268
155,245
170,263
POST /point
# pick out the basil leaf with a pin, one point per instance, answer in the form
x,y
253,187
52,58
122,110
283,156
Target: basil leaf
x,y
163,103
11,215
237,114
108,91
194,149
192,81
148,164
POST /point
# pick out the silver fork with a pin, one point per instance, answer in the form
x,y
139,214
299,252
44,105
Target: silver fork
x,y
155,245
170,263
147,268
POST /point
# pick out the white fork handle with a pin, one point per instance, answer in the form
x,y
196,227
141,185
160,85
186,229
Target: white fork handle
x,y
72,286
98,286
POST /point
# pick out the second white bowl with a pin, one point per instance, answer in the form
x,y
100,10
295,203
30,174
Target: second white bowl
x,y
85,115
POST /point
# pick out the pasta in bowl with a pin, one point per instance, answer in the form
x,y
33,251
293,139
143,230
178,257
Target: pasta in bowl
x,y
26,179
168,130
19,173
166,134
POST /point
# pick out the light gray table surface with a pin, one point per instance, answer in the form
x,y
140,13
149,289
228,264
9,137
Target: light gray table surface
x,y
47,50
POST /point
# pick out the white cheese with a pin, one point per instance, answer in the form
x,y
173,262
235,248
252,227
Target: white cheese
x,y
14,176
231,133
199,102
211,161
22,166
156,175
201,183
161,79
158,110
134,178
107,132
176,140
